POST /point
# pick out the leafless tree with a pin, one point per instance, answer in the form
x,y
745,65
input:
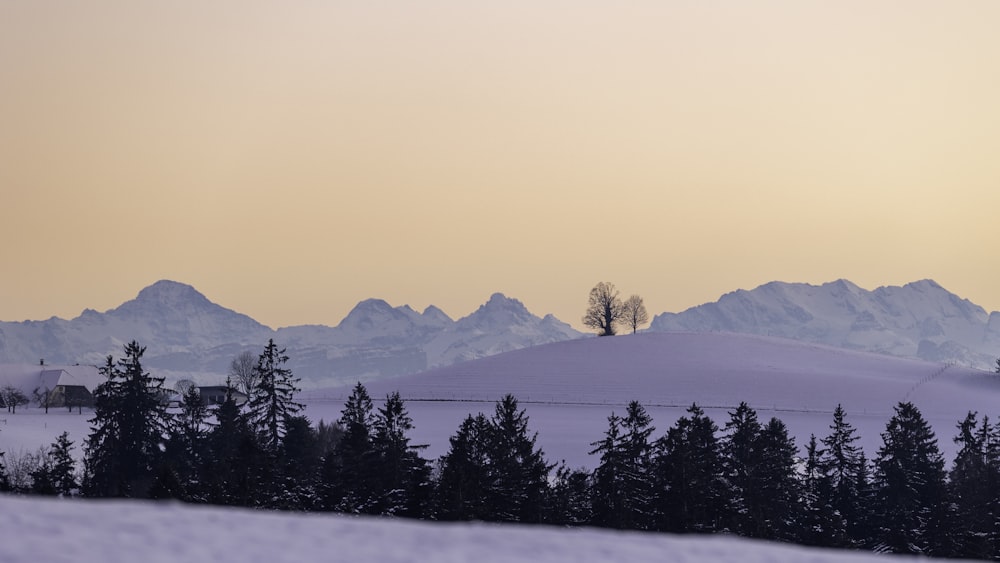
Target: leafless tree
x,y
604,309
20,464
634,313
243,371
13,398
43,397
184,385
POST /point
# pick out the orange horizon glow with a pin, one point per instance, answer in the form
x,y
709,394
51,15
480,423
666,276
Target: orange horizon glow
x,y
289,161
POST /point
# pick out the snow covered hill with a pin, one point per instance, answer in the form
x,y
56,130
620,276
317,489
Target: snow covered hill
x,y
71,531
188,336
918,320
569,388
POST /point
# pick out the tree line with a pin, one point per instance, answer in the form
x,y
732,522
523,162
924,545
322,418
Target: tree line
x,y
744,478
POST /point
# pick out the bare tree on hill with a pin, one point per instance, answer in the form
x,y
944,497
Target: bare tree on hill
x,y
604,309
634,313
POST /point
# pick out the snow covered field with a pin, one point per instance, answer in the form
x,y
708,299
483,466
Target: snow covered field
x,y
78,531
570,388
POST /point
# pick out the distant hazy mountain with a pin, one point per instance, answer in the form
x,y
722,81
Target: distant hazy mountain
x,y
187,335
918,320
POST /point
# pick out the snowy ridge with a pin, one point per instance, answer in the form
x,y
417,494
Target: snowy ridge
x,y
918,320
123,532
188,336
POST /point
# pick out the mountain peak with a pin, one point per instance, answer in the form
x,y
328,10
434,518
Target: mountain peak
x,y
500,301
370,313
434,313
924,285
166,292
499,310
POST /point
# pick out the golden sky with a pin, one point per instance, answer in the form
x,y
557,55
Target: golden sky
x,y
289,159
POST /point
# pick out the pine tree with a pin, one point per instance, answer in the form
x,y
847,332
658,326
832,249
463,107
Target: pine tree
x,y
569,503
775,508
842,462
608,492
910,487
349,476
299,460
404,476
273,401
233,470
637,427
464,473
622,482
41,477
56,472
518,472
690,490
821,524
973,489
185,449
740,460
128,428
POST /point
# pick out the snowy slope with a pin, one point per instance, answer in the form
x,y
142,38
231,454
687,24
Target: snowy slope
x,y
48,530
918,320
188,336
569,388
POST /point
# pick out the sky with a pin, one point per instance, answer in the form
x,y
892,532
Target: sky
x,y
291,159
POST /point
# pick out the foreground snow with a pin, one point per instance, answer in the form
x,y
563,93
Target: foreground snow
x,y
49,530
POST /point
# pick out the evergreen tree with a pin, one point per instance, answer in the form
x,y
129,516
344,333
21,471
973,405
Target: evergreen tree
x,y
569,503
608,493
760,467
910,487
622,494
56,472
299,461
273,401
821,524
404,476
637,427
740,460
518,472
350,482
128,428
41,476
234,469
464,473
842,462
775,507
691,492
185,449
973,489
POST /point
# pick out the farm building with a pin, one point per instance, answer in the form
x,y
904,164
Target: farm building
x,y
53,386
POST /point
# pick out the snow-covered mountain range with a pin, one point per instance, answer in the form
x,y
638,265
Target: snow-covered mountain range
x,y
918,320
187,335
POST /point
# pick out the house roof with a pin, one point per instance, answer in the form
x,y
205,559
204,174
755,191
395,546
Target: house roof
x,y
27,377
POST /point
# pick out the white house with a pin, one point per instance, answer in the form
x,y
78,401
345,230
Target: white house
x,y
62,386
